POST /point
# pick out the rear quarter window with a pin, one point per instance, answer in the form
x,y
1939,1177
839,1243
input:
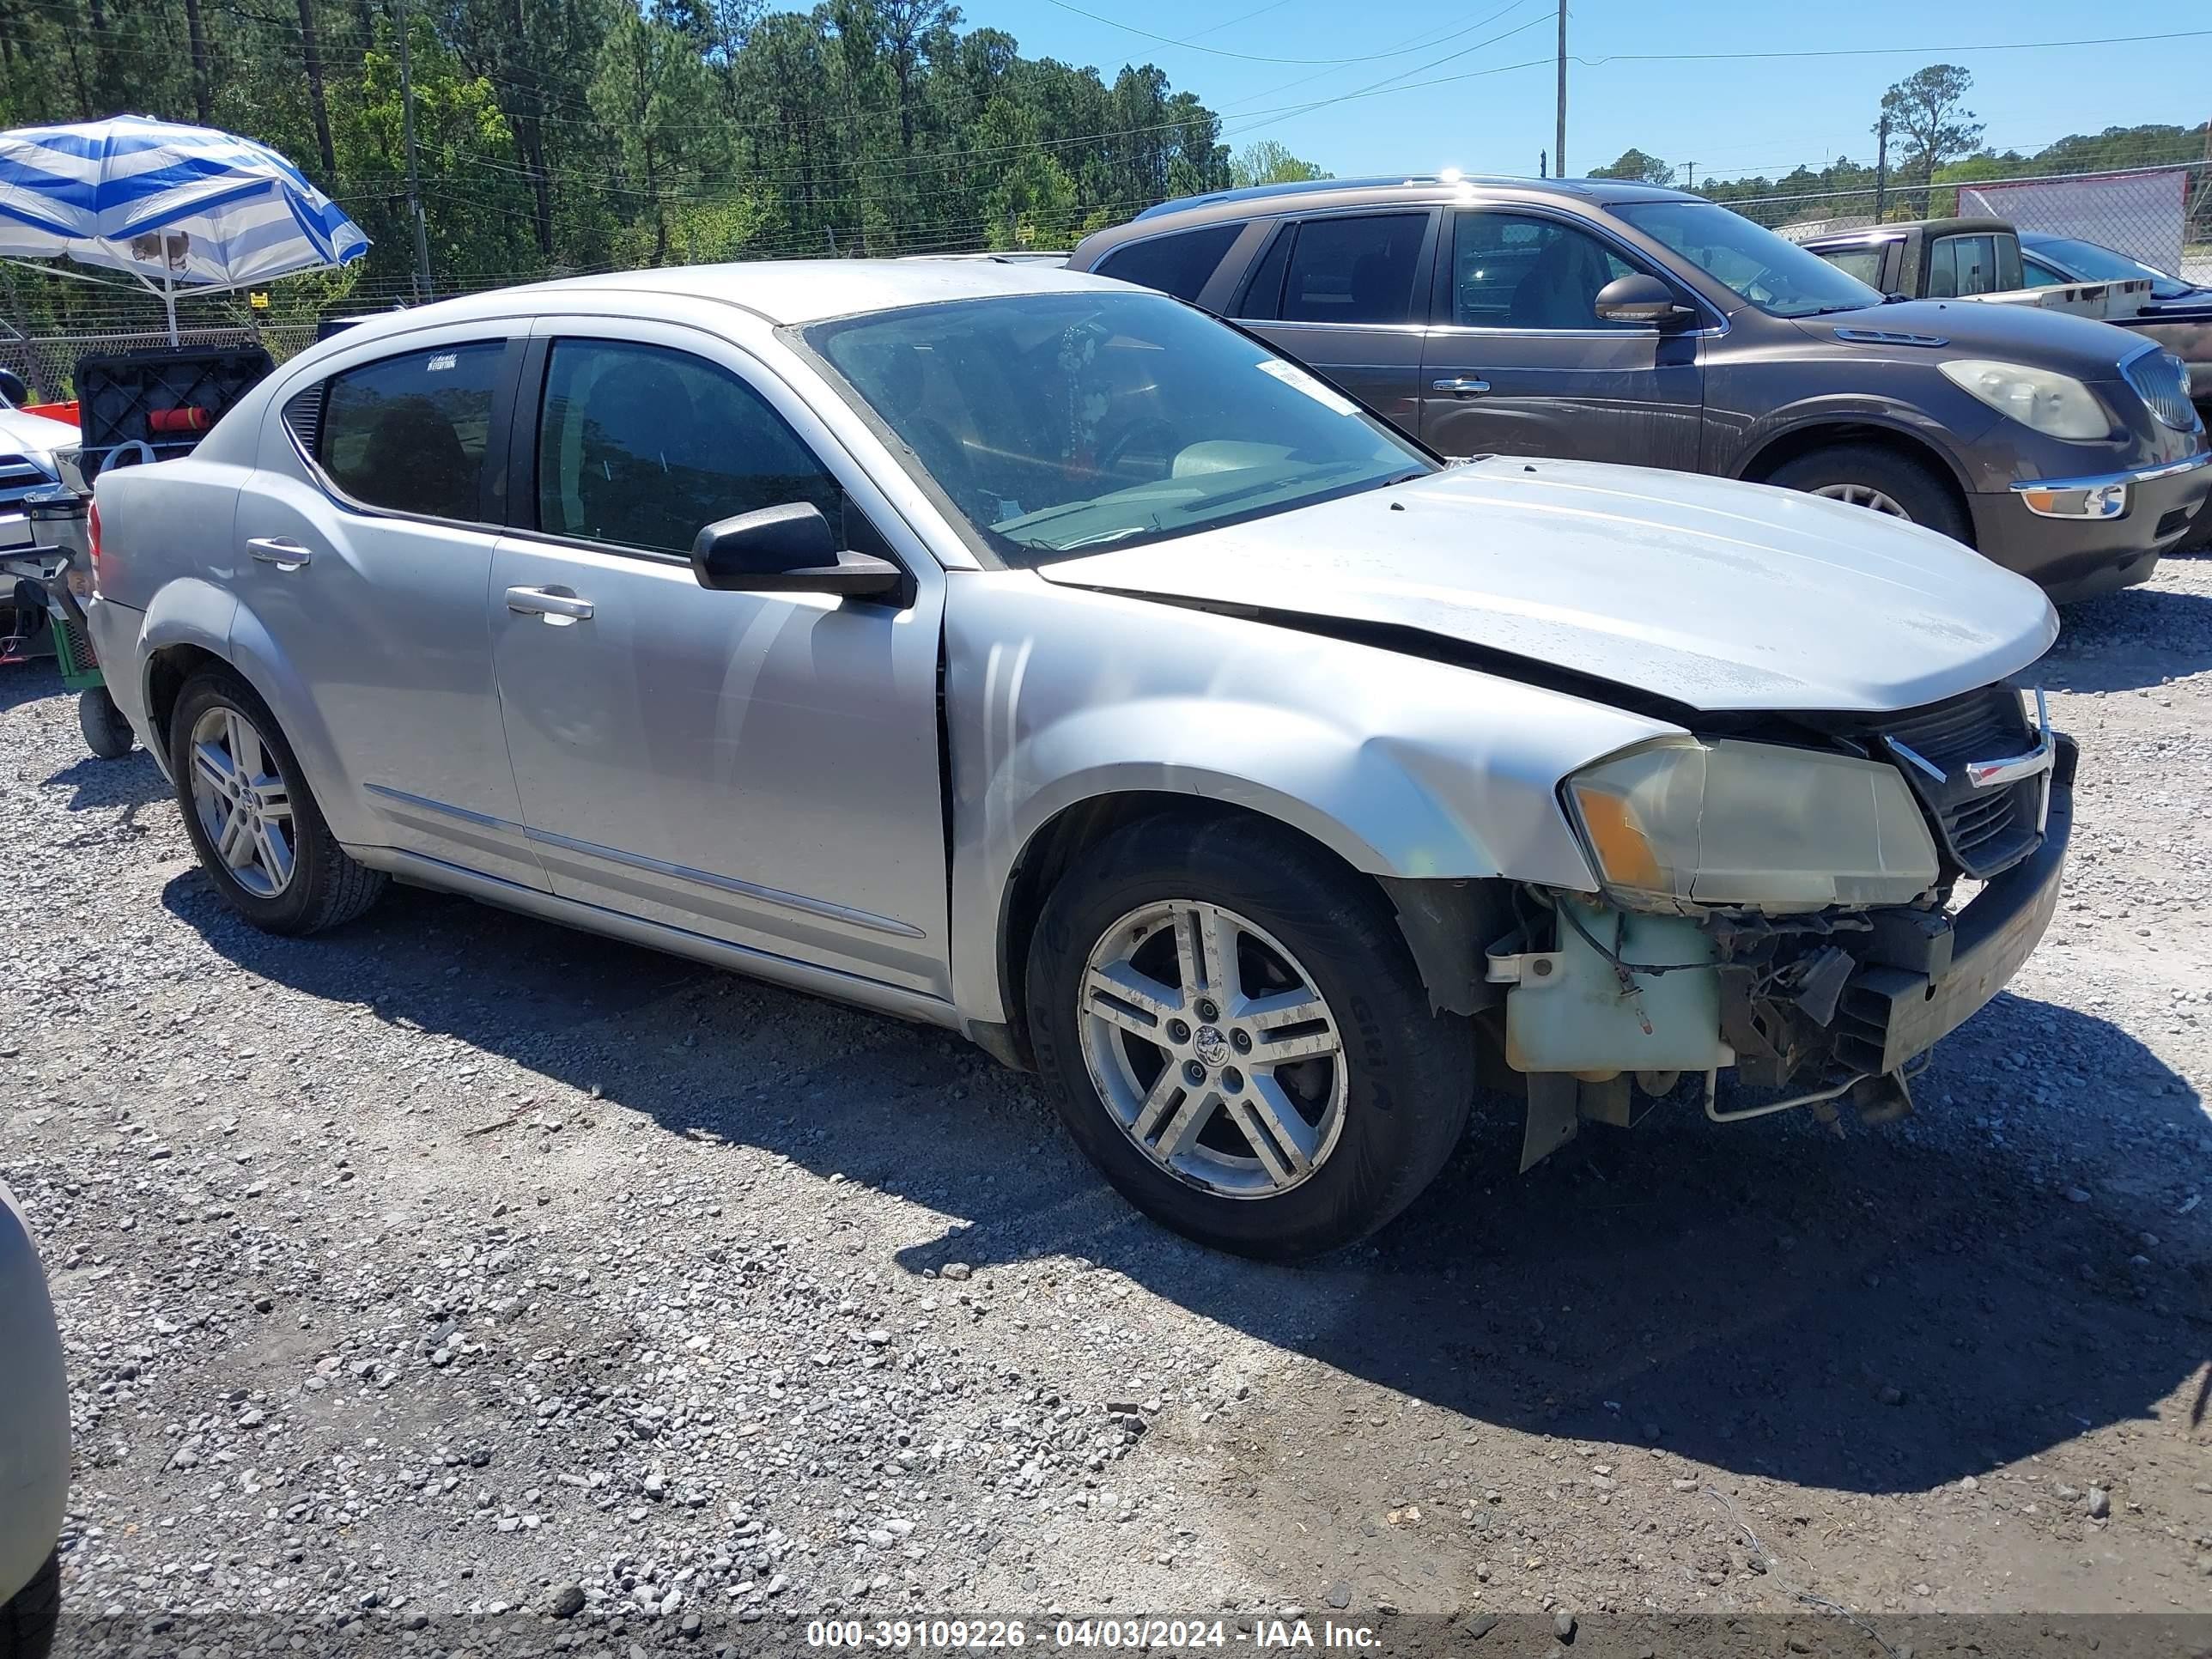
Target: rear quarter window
x,y
1180,264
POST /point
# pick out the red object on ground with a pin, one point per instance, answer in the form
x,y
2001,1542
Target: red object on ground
x,y
63,412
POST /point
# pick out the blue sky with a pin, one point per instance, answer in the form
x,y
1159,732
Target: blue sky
x,y
1730,117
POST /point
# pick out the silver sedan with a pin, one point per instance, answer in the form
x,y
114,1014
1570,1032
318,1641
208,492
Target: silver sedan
x,y
1026,655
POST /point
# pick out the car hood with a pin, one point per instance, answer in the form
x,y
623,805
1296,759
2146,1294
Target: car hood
x,y
1699,592
2080,346
22,434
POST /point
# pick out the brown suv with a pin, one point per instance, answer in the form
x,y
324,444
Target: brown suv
x,y
1616,322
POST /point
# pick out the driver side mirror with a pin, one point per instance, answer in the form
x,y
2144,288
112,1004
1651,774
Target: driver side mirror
x,y
12,389
1640,298
787,549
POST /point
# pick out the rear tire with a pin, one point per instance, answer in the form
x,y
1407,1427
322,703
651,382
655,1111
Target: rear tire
x,y
1856,470
277,866
1292,1090
106,733
29,1618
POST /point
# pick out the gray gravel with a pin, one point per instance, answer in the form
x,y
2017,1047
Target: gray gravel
x,y
454,1278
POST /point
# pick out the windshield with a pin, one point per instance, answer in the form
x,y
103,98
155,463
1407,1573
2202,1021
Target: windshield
x,y
2088,262
1775,275
1059,422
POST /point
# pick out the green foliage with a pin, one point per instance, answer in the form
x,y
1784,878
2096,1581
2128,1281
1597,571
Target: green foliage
x,y
565,135
1636,168
1267,163
1928,111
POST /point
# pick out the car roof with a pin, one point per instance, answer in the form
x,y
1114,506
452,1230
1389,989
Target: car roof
x,y
1414,188
1895,230
778,291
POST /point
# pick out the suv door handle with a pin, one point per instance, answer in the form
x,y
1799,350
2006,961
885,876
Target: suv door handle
x,y
1461,388
557,609
274,549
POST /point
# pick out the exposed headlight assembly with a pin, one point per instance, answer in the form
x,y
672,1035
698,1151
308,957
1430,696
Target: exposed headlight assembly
x,y
1679,823
2054,404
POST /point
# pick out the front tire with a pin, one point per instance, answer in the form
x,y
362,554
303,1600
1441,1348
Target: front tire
x,y
260,835
1865,475
1234,1032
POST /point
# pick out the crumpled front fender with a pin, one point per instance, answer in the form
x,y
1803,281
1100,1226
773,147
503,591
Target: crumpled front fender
x,y
1404,767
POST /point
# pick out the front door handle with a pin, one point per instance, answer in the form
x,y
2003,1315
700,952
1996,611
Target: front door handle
x,y
1461,387
274,549
557,609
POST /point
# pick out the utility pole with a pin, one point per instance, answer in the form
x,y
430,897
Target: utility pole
x,y
1560,136
1690,168
423,287
1881,166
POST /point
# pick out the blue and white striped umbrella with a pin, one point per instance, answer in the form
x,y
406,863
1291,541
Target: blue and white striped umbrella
x,y
178,206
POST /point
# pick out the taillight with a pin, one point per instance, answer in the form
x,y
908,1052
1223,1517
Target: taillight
x,y
92,537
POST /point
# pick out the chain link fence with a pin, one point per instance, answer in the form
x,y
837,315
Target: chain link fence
x,y
48,363
2161,215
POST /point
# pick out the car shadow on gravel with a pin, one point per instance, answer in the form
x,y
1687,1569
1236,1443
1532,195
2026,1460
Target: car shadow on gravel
x,y
129,783
27,681
1882,1312
2138,637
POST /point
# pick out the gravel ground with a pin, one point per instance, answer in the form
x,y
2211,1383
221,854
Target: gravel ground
x,y
460,1281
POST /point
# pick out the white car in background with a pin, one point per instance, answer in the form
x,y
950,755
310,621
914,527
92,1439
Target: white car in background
x,y
29,445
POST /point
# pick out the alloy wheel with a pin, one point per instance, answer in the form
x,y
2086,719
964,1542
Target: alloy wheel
x,y
1866,495
242,802
1212,1048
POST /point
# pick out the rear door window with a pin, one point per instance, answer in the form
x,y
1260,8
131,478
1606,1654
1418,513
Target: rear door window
x,y
1354,268
1178,265
1959,266
409,434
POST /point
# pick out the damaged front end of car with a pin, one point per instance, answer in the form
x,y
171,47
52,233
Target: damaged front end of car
x,y
1807,909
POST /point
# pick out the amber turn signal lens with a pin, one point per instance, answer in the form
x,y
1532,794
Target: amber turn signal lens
x,y
1624,855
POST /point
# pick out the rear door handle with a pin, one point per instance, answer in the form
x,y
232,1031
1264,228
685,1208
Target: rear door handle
x,y
557,609
1460,387
274,549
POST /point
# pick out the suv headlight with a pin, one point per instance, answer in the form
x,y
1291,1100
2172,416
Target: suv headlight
x,y
2052,403
1684,822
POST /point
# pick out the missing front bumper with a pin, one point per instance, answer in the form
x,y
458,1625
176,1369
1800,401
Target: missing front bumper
x,y
1581,1019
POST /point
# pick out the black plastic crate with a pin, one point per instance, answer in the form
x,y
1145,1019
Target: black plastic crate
x,y
120,396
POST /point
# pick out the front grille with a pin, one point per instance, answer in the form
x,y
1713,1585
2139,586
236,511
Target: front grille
x,y
1984,830
19,476
2162,381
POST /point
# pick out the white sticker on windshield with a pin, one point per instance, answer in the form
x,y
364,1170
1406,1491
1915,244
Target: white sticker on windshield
x,y
444,359
1290,374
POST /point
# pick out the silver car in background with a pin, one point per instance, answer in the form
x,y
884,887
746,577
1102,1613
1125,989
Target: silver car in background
x,y
35,1444
1029,655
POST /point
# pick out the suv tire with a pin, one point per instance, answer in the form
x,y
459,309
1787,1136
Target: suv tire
x,y
284,872
1848,470
1276,1083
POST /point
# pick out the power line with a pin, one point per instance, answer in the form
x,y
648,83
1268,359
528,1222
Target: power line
x,y
1256,57
1881,51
